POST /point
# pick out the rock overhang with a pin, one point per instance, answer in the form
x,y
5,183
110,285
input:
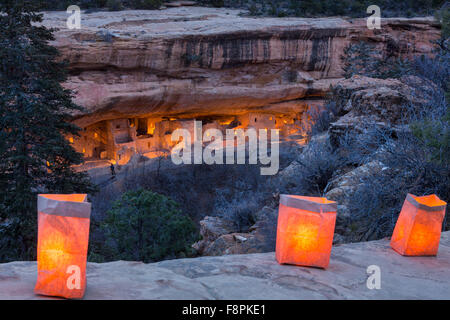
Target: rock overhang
x,y
191,62
180,58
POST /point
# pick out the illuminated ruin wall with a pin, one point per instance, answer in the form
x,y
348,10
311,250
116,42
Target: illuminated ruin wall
x,y
119,139
134,71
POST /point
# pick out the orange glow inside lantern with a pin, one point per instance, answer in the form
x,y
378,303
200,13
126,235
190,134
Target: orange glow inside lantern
x,y
305,230
418,228
63,235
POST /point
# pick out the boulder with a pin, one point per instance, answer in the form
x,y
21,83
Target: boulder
x,y
212,228
363,101
234,243
354,177
220,237
343,185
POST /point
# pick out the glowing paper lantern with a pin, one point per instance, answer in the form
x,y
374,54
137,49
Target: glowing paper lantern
x,y
63,235
418,228
305,230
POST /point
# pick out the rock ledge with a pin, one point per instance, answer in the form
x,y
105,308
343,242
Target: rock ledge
x,y
257,276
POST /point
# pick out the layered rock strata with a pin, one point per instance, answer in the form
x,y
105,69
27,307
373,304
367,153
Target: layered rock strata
x,y
153,69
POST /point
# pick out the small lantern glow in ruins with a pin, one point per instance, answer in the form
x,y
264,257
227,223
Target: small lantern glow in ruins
x,y
151,128
305,230
418,228
63,235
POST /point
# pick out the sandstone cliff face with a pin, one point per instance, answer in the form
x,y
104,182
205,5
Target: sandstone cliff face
x,y
362,100
193,62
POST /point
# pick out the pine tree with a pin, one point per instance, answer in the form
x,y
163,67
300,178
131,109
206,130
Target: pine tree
x,y
35,114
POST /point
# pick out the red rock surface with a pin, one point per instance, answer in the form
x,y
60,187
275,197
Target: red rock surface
x,y
194,61
256,276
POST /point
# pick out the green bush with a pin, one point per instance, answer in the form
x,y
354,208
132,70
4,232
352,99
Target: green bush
x,y
213,3
301,8
114,5
146,4
352,8
145,226
35,156
444,17
435,134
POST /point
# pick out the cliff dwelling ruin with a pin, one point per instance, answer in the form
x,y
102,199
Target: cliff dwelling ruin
x,y
117,140
142,76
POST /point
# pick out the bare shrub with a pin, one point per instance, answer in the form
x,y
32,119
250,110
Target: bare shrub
x,y
358,149
321,118
408,168
234,192
240,209
313,170
145,226
415,155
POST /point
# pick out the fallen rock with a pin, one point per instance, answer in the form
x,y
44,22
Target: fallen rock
x,y
239,238
226,244
383,96
220,237
233,243
256,276
346,183
212,228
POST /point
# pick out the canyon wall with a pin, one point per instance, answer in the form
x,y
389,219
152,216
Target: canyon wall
x,y
195,62
199,61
